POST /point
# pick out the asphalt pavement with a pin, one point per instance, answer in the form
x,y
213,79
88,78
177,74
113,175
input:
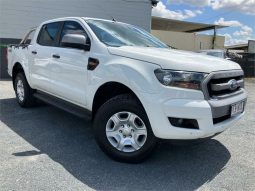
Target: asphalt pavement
x,y
44,148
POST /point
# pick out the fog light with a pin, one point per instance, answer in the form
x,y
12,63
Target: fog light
x,y
184,123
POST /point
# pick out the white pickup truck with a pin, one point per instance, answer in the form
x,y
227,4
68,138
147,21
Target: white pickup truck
x,y
134,88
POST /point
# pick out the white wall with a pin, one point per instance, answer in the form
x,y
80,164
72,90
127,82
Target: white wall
x,y
189,41
183,41
205,42
17,16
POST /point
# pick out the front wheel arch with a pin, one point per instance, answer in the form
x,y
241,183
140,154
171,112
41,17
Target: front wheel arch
x,y
124,103
109,90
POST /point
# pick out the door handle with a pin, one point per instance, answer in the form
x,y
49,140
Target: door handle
x,y
34,52
56,56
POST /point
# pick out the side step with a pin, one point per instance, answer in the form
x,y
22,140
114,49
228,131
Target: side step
x,y
64,105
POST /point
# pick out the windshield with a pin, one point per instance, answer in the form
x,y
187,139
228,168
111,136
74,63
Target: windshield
x,y
120,34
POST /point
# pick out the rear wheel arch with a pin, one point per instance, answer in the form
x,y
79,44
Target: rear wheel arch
x,y
17,68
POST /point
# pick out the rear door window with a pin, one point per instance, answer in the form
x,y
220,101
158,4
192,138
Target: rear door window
x,y
49,34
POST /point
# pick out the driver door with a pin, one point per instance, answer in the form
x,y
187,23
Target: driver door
x,y
69,68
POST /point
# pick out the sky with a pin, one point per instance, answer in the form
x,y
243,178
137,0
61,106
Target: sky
x,y
239,15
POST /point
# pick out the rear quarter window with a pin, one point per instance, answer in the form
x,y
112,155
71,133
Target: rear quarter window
x,y
28,38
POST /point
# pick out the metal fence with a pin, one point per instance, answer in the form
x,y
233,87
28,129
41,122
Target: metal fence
x,y
3,63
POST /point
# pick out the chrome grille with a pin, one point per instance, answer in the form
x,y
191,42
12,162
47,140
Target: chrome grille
x,y
220,85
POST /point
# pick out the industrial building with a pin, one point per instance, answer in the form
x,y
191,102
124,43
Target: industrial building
x,y
17,17
184,35
244,54
242,48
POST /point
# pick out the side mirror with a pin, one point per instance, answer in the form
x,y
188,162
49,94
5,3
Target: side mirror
x,y
75,41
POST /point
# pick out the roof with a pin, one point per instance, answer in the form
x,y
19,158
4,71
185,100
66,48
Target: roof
x,y
165,24
237,46
212,50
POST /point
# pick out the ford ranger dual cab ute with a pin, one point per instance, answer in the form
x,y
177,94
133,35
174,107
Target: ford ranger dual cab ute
x,y
134,87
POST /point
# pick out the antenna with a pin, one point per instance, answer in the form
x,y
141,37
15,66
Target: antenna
x,y
113,19
106,13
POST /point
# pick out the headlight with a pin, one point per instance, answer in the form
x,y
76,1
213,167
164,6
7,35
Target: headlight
x,y
180,79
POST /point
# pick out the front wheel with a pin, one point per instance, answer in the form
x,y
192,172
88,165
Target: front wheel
x,y
123,131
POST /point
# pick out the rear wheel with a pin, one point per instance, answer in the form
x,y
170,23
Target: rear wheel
x,y
123,131
24,93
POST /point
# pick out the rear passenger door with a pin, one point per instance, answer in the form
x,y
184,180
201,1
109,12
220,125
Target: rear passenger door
x,y
41,54
69,68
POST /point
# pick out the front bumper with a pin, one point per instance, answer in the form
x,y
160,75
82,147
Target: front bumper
x,y
159,109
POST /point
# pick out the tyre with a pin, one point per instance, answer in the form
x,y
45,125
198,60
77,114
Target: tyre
x,y
123,131
24,93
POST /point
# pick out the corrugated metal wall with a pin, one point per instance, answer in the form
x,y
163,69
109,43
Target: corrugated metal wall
x,y
17,16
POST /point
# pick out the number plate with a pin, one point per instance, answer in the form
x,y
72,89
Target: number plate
x,y
237,108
